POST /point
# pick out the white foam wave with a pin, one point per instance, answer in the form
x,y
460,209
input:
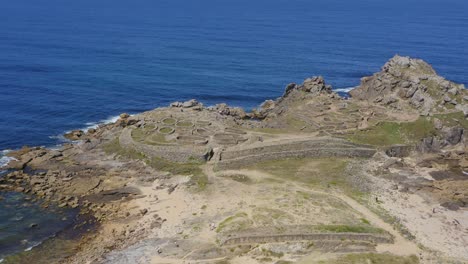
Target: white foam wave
x,y
4,160
89,125
94,125
33,246
344,90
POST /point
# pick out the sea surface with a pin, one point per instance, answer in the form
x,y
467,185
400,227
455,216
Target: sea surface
x,y
71,64
24,224
66,64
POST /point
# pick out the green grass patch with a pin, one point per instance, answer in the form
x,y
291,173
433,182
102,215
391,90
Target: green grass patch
x,y
433,89
391,133
191,168
165,130
324,172
169,121
157,139
295,122
453,119
365,221
184,124
114,147
223,261
421,68
149,136
236,222
139,134
372,258
284,262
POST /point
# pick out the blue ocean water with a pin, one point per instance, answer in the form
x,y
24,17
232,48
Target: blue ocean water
x,y
68,64
64,64
24,224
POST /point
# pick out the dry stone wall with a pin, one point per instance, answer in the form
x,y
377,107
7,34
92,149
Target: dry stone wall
x,y
241,157
172,153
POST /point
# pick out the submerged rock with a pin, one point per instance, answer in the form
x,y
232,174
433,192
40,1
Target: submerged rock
x,y
74,135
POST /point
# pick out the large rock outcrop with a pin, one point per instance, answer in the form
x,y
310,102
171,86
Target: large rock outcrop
x,y
311,87
406,83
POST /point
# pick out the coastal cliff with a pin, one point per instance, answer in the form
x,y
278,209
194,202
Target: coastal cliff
x,y
366,178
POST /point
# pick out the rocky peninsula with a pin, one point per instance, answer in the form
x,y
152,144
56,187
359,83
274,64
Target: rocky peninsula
x,y
311,177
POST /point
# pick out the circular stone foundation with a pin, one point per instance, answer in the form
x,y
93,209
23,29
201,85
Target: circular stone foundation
x,y
201,132
166,130
169,121
184,123
203,123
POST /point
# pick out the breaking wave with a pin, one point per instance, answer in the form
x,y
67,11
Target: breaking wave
x,y
5,159
344,90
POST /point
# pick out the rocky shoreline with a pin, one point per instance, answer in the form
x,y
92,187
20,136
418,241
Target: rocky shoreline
x,y
401,137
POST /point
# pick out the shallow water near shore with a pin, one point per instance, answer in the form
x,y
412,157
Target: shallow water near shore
x,y
25,224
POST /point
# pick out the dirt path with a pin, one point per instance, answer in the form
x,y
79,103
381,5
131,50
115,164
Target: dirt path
x,y
401,246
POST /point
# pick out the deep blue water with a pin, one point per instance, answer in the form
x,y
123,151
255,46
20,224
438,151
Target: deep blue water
x,y
67,63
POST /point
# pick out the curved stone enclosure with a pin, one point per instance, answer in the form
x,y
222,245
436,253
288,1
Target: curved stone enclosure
x,y
300,148
234,154
175,153
277,238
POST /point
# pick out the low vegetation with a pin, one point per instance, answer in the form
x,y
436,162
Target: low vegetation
x,y
321,172
149,135
114,147
236,222
192,168
239,178
391,133
169,121
453,119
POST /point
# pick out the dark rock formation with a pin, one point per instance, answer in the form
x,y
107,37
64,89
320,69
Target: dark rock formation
x,y
311,87
193,104
224,109
410,83
449,137
74,135
399,151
